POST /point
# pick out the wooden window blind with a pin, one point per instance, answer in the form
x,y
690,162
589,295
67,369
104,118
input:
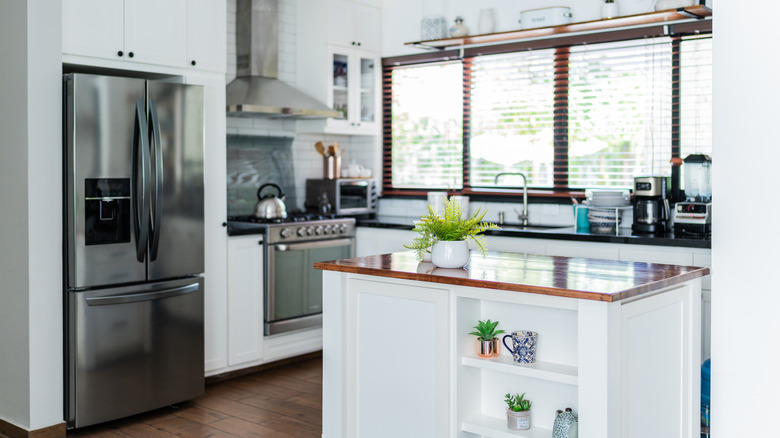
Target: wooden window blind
x,y
586,111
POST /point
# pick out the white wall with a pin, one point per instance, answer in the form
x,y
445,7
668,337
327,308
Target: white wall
x,y
308,164
745,292
31,385
401,18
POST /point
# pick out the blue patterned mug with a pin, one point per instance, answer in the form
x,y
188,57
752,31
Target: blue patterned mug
x,y
524,342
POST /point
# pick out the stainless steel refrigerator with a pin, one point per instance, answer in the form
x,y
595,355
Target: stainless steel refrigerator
x,y
133,219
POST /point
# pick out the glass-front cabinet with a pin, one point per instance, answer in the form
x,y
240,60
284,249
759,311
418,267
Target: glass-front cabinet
x,y
354,89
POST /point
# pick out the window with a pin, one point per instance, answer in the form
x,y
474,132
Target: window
x,y
569,118
695,96
512,117
427,126
619,112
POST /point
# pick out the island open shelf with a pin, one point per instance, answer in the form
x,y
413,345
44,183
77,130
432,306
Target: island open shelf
x,y
616,341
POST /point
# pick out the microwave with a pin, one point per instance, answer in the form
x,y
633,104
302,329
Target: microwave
x,y
347,196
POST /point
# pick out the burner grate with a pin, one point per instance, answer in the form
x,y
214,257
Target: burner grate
x,y
293,217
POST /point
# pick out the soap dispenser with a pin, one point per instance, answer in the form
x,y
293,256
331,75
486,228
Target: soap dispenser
x,y
458,29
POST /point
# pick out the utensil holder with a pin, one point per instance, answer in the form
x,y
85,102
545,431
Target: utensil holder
x,y
331,167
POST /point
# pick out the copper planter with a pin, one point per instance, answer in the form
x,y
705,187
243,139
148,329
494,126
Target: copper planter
x,y
489,348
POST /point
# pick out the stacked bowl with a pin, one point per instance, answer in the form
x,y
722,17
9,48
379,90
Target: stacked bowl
x,y
604,212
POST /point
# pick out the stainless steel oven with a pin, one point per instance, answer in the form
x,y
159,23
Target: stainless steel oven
x,y
292,288
347,196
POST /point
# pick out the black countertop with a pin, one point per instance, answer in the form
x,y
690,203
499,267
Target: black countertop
x,y
244,228
625,235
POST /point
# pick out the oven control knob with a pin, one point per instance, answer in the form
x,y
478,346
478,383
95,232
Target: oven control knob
x,y
343,228
285,233
318,230
309,231
326,229
301,231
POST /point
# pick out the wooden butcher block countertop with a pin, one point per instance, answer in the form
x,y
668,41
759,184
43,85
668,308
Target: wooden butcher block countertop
x,y
572,277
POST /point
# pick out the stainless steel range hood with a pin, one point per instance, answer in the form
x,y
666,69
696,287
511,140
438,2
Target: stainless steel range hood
x,y
256,91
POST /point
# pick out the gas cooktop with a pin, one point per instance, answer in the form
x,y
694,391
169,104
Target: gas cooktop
x,y
297,227
291,217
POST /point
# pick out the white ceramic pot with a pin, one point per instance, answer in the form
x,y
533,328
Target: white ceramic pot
x,y
453,254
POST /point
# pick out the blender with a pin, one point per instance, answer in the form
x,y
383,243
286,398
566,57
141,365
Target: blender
x,y
694,215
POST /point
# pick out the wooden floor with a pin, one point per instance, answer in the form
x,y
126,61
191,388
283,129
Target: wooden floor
x,y
281,402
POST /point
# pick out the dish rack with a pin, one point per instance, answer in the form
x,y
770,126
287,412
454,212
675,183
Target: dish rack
x,y
602,220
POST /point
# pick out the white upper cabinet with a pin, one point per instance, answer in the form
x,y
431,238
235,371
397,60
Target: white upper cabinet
x,y
206,42
351,24
93,28
156,31
172,33
343,70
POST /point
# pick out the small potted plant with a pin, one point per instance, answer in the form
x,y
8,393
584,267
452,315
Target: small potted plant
x,y
487,335
446,236
518,412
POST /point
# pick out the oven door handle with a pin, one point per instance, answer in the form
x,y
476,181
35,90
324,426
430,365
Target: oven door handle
x,y
280,247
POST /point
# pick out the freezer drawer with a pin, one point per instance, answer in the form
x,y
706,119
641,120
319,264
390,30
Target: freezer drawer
x,y
133,349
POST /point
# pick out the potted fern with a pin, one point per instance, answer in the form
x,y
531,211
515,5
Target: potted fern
x,y
487,335
518,412
446,236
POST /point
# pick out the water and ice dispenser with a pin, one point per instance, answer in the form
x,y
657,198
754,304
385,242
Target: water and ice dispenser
x,y
107,210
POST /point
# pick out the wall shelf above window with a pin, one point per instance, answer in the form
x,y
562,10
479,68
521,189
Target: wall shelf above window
x,y
667,17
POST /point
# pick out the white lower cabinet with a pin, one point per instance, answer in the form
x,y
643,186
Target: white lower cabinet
x,y
245,300
372,241
383,347
400,361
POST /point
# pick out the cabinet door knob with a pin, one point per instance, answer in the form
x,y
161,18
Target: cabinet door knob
x,y
353,43
131,54
358,43
120,53
193,62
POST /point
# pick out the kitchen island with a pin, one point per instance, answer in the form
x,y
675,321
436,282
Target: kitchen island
x,y
619,342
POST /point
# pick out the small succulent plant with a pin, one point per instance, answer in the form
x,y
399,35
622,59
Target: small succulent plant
x,y
486,330
517,403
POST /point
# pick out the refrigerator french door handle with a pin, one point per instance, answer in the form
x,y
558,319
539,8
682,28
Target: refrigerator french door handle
x,y
145,296
158,179
141,147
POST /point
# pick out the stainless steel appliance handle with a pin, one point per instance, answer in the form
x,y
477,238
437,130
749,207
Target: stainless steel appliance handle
x,y
280,247
158,180
146,296
140,146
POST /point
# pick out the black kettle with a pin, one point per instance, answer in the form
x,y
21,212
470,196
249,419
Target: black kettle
x,y
270,206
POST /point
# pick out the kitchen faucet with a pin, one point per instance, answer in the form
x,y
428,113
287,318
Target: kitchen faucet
x,y
522,217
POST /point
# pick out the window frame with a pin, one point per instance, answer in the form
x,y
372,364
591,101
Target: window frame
x,y
560,190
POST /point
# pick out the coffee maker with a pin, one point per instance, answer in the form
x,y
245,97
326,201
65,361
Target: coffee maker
x,y
651,206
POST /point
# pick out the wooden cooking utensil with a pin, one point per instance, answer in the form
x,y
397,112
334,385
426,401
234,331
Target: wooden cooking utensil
x,y
320,148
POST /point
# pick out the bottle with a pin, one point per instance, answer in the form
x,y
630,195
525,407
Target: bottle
x,y
487,23
458,29
609,9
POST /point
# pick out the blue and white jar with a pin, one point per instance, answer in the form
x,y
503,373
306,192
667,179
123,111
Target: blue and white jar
x,y
524,343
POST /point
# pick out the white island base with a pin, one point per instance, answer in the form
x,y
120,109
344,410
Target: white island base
x,y
398,360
